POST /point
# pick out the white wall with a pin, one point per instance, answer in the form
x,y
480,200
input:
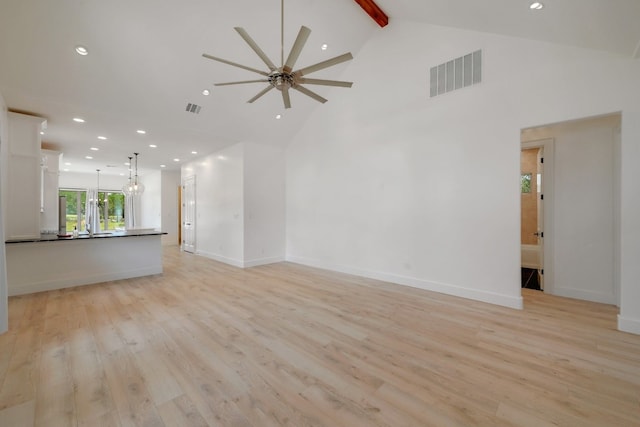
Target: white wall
x,y
4,309
240,204
584,223
219,204
170,202
150,201
264,204
424,191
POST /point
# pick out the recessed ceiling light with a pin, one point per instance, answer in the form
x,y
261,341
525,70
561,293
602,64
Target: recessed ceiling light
x,y
194,152
81,50
127,164
94,149
121,174
222,158
41,132
88,157
78,120
153,146
206,92
278,117
102,138
324,46
536,5
176,160
163,166
141,132
67,164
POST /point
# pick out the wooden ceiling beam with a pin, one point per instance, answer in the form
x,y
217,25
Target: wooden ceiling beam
x,y
374,11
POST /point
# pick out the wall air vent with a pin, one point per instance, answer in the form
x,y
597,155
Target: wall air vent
x,y
193,108
456,74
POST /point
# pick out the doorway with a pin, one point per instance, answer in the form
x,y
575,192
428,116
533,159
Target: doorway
x,y
532,215
189,214
580,207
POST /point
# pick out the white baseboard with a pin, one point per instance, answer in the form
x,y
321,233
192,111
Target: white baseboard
x,y
585,295
240,263
69,282
626,324
474,294
262,261
231,261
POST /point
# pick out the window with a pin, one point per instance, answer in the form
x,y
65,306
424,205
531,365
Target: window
x,y
525,183
111,209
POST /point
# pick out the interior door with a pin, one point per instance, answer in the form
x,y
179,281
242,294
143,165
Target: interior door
x,y
189,214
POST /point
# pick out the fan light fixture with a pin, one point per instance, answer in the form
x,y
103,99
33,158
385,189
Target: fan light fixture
x,y
536,5
133,187
285,77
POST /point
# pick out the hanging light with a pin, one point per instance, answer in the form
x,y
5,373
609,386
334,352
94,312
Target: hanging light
x,y
127,189
133,187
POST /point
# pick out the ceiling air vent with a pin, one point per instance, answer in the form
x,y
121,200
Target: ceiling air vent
x,y
193,108
456,74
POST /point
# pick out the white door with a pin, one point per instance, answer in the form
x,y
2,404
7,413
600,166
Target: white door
x,y
189,214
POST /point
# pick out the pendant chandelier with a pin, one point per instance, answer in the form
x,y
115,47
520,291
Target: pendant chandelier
x,y
133,187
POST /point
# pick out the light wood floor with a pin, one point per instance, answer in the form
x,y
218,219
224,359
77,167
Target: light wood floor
x,y
206,344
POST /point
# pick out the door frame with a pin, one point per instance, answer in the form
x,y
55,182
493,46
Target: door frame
x,y
547,145
191,178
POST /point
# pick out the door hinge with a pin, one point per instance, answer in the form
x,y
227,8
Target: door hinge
x,y
542,197
541,159
542,272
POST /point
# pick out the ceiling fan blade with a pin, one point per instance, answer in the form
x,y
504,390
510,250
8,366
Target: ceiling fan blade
x,y
285,97
255,48
240,83
324,64
224,61
325,82
309,93
303,35
262,92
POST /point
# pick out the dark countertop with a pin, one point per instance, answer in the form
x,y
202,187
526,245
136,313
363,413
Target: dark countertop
x,y
85,236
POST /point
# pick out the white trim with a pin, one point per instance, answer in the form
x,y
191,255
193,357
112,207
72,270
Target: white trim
x,y
231,261
240,263
626,324
585,295
262,261
459,291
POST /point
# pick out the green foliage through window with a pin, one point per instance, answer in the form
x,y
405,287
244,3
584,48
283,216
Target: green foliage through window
x,y
525,183
111,207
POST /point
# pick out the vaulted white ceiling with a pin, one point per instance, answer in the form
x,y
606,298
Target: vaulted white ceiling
x,y
145,64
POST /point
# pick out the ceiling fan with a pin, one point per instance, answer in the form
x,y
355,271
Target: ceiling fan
x,y
285,77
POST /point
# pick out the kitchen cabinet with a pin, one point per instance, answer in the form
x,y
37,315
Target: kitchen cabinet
x,y
24,176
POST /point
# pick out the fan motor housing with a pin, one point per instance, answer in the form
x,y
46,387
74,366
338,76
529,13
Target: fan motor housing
x,y
280,79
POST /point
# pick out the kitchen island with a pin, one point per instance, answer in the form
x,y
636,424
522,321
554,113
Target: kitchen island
x,y
51,262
